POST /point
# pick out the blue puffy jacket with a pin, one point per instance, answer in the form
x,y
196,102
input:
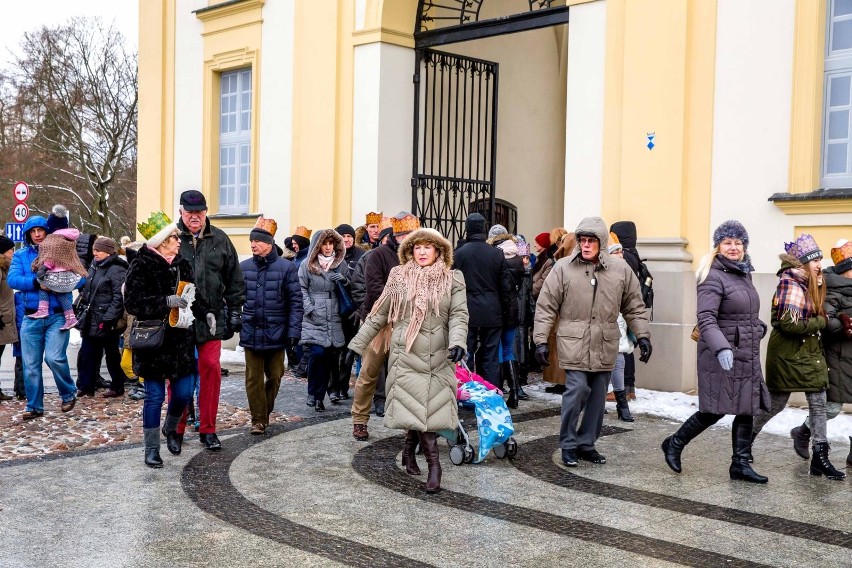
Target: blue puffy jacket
x,y
273,309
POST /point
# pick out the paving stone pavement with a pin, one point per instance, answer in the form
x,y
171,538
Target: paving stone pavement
x,y
307,494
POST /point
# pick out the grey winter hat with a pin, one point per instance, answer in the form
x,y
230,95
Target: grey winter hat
x,y
497,230
730,229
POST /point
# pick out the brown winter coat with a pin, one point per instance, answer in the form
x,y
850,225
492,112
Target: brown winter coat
x,y
9,334
728,309
421,383
587,331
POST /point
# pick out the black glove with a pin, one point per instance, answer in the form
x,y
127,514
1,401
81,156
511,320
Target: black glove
x,y
542,354
645,349
235,321
456,354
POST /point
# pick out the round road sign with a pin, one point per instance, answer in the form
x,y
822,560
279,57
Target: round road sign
x,y
21,212
21,191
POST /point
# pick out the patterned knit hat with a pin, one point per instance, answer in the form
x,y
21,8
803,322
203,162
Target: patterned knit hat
x,y
156,229
841,255
804,248
730,230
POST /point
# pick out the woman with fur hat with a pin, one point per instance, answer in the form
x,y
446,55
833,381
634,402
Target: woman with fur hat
x,y
421,317
322,327
729,376
795,361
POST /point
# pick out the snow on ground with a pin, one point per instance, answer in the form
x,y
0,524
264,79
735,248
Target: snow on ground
x,y
232,356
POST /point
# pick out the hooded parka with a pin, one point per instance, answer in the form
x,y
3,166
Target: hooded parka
x,y
321,323
728,318
421,383
103,294
838,347
586,298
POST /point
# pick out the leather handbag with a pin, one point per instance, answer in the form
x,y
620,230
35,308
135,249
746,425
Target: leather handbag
x,y
345,305
147,334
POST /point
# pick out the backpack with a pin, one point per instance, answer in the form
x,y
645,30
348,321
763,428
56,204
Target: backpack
x,y
646,280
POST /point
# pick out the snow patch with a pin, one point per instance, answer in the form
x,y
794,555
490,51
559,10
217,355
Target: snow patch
x,y
233,356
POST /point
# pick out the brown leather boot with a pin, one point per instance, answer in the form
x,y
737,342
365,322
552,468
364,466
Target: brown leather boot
x,y
408,458
429,445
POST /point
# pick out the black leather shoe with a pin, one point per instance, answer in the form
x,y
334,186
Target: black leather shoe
x,y
380,410
569,458
320,407
311,401
174,441
591,456
211,441
152,457
334,397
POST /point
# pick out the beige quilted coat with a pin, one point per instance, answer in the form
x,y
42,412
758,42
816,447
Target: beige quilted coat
x,y
421,383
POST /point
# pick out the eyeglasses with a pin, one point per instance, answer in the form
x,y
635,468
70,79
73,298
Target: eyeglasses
x,y
172,236
587,240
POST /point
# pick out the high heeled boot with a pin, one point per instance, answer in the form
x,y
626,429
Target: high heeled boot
x,y
621,406
820,464
512,380
674,444
516,371
429,445
152,447
408,459
741,438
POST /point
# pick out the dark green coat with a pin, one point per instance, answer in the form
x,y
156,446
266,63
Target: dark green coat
x,y
838,347
795,361
218,277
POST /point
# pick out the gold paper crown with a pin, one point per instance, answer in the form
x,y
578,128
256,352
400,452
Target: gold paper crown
x,y
405,224
374,218
386,223
155,223
841,253
302,231
268,225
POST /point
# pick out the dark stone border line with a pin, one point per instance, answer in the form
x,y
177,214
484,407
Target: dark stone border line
x,y
537,463
206,481
377,463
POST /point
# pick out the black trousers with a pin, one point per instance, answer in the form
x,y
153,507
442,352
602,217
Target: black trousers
x,y
483,345
92,351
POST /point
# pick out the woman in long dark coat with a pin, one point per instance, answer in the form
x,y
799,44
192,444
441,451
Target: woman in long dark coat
x,y
150,293
729,377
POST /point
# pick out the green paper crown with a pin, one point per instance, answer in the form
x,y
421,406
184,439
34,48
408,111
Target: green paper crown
x,y
155,223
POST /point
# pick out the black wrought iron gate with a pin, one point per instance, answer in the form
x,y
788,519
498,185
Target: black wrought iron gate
x,y
455,140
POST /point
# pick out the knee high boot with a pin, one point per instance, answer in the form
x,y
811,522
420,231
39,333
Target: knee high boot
x,y
512,401
408,459
674,444
741,438
174,441
429,444
515,370
152,447
621,406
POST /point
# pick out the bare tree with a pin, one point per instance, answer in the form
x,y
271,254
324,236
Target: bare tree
x,y
76,90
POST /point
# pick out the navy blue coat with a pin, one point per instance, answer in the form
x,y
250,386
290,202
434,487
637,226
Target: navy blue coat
x,y
273,309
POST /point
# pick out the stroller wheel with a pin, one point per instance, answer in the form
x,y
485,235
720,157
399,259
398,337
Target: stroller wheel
x,y
457,455
501,450
511,448
468,454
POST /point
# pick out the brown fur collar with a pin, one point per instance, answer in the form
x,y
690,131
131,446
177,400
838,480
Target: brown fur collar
x,y
360,232
406,249
501,238
316,242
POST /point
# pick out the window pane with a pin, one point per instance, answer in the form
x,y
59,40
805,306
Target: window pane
x,y
838,124
835,162
841,35
842,7
232,123
839,91
245,121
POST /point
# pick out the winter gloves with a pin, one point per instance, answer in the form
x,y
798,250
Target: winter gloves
x,y
336,277
175,301
456,354
645,349
542,355
847,323
726,359
235,320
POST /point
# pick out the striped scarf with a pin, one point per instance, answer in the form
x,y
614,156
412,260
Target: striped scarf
x,y
792,297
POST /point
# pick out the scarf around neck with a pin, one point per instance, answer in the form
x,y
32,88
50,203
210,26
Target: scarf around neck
x,y
325,261
414,289
792,296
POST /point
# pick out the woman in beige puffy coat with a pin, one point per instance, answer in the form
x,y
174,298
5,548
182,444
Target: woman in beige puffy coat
x,y
421,317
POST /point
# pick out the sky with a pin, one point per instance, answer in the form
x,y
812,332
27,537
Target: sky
x,y
19,17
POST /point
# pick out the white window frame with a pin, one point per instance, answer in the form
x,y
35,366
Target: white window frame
x,y
838,63
234,158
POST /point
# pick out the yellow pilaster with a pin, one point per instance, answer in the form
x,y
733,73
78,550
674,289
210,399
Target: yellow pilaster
x,y
155,177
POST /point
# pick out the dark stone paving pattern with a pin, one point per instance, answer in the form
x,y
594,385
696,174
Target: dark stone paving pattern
x,y
537,463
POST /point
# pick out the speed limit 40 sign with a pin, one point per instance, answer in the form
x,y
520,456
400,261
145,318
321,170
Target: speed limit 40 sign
x,y
21,212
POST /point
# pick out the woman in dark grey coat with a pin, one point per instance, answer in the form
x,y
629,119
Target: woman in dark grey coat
x,y
729,377
322,328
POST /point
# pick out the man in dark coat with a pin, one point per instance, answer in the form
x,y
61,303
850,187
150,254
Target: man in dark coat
x,y
220,286
490,294
379,263
272,320
626,233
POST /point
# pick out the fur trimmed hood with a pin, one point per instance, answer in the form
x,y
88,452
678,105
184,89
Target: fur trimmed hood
x,y
360,233
316,242
788,261
431,236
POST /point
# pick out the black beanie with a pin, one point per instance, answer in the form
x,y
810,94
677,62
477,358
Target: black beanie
x,y
304,244
345,229
474,224
262,236
6,244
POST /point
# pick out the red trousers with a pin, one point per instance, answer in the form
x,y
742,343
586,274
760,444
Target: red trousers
x,y
209,387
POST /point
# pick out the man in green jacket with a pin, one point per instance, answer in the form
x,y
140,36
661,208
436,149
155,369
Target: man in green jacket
x,y
221,288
